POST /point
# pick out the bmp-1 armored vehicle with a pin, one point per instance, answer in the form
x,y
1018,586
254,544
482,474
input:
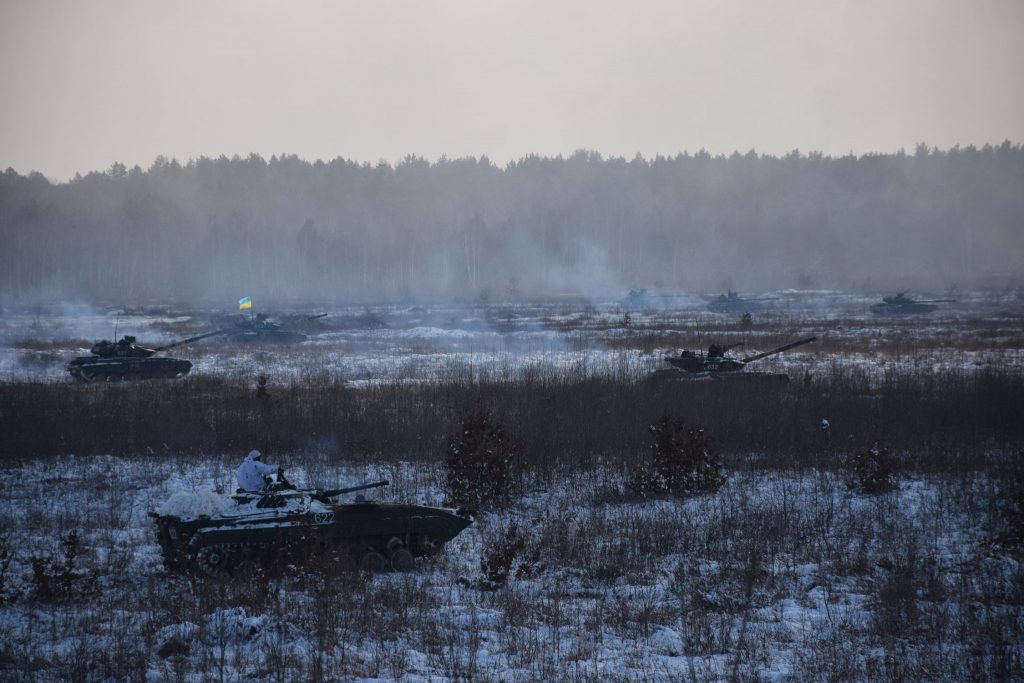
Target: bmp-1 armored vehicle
x,y
901,304
126,359
716,364
262,329
246,532
734,303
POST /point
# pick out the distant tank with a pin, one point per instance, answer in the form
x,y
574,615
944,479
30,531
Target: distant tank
x,y
126,359
732,302
246,532
901,304
716,364
262,329
642,299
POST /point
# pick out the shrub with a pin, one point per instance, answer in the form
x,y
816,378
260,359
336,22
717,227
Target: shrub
x,y
1012,507
682,462
6,555
479,461
872,470
500,555
60,578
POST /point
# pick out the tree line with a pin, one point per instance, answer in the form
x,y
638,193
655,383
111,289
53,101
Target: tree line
x,y
286,229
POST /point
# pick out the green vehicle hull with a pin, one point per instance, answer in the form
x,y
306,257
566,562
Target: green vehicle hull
x,y
290,527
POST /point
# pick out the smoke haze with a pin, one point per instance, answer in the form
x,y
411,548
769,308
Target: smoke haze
x,y
268,122
285,229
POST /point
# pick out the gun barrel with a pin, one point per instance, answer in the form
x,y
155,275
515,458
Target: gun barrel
x,y
189,340
785,347
352,489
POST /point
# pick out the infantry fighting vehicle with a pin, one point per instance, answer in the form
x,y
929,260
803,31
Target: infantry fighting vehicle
x,y
716,364
262,329
246,532
901,304
734,303
126,359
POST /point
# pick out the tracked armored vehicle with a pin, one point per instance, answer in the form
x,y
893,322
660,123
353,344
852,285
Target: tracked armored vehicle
x,y
901,304
262,329
732,302
249,532
126,360
717,365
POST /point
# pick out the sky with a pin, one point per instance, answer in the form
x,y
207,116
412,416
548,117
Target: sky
x,y
85,83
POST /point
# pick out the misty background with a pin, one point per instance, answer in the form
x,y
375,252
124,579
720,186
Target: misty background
x,y
287,230
361,152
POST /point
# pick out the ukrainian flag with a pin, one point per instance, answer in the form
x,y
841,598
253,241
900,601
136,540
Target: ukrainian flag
x,y
245,303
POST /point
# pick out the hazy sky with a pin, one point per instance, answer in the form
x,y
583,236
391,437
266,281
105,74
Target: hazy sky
x,y
84,83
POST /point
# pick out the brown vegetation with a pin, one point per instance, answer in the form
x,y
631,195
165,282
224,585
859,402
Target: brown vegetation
x,y
682,462
934,419
479,460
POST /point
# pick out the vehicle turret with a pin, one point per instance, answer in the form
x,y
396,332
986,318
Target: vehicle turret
x,y
127,359
732,302
261,328
901,304
716,362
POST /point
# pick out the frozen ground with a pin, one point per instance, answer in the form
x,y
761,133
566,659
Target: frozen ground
x,y
426,343
780,576
777,577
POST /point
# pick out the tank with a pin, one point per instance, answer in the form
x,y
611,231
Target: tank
x,y
901,304
732,302
262,329
126,360
716,364
246,532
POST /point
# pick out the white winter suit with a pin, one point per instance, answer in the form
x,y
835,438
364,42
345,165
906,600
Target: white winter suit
x,y
252,471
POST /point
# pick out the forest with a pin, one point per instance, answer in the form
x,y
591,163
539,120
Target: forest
x,y
289,230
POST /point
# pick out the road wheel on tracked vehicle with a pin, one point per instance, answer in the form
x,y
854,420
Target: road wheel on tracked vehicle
x,y
427,545
373,562
401,560
212,560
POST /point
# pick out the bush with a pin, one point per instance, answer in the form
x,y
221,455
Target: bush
x,y
1012,507
60,578
479,461
682,462
500,555
872,470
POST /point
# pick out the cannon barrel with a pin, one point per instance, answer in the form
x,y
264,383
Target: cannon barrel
x,y
784,347
352,489
189,340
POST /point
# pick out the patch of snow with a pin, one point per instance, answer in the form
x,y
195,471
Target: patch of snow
x,y
191,504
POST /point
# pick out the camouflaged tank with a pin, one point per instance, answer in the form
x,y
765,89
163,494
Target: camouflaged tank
x,y
248,532
732,302
901,304
262,329
716,364
126,359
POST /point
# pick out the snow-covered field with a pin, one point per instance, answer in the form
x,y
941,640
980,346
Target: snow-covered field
x,y
424,343
778,576
783,574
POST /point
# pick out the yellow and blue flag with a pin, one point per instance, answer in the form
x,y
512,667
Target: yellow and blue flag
x,y
245,303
